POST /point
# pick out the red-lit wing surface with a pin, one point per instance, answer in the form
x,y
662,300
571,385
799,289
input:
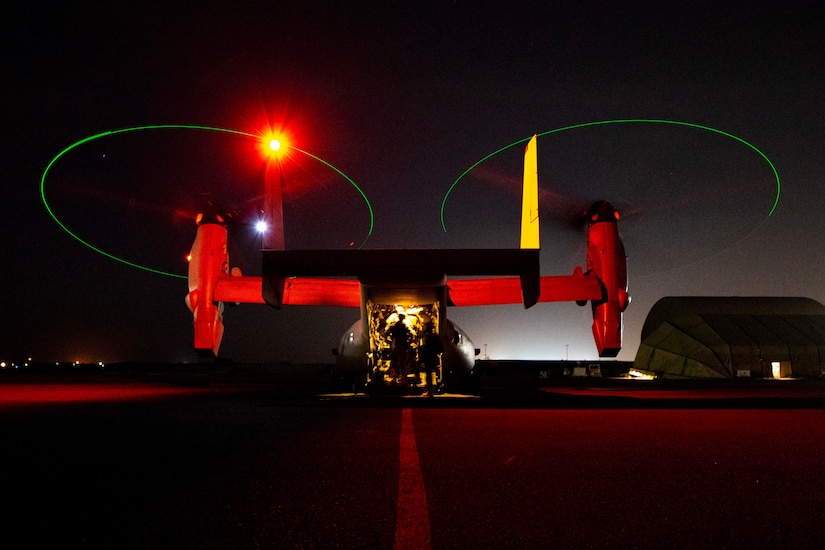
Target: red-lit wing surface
x,y
507,290
312,291
319,291
401,266
303,291
298,291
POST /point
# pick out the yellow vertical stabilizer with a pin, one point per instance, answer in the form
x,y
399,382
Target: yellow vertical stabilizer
x,y
530,198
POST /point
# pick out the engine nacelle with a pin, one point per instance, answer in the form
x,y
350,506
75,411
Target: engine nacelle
x,y
207,260
607,260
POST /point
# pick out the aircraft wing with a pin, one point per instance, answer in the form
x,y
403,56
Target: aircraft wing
x,y
421,265
507,290
298,291
307,291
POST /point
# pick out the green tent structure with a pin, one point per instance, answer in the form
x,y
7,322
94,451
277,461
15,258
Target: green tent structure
x,y
730,337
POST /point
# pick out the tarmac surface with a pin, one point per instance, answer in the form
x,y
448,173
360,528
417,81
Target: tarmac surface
x,y
194,460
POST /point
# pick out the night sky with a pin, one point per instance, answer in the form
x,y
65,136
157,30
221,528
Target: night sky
x,y
403,100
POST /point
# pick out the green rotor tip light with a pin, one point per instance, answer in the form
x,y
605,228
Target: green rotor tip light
x,y
274,145
618,121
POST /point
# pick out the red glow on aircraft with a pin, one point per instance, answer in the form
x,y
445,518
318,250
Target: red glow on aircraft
x,y
415,286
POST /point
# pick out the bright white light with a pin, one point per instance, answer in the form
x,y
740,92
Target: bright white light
x,y
260,227
639,375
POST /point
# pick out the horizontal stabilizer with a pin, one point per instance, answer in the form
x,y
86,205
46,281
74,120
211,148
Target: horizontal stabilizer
x,y
298,291
507,290
408,264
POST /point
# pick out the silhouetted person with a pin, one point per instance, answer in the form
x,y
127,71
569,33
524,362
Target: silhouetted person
x,y
400,338
428,353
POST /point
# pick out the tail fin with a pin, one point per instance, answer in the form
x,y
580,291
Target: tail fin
x,y
530,277
530,198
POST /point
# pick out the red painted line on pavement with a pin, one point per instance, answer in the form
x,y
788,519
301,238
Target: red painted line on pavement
x,y
39,394
412,523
